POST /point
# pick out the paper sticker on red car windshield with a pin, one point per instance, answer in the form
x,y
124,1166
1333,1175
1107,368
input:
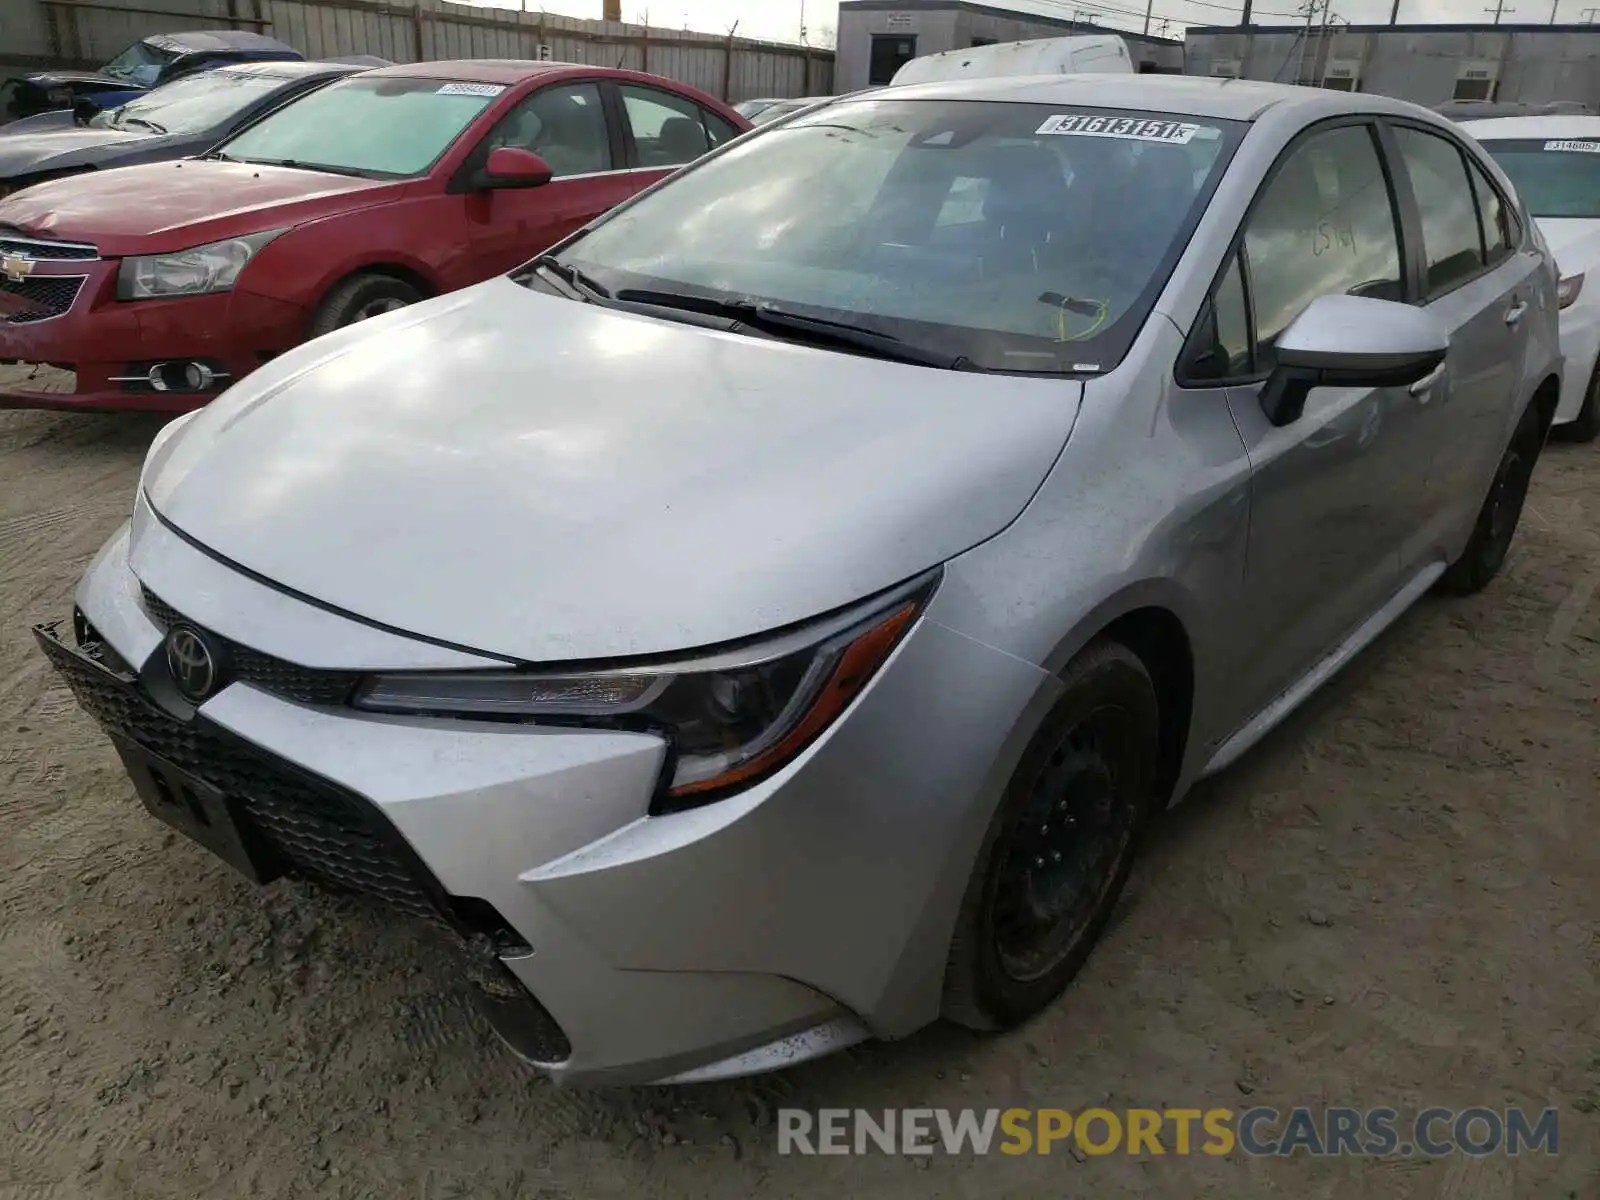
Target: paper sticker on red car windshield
x,y
1133,129
471,89
1574,147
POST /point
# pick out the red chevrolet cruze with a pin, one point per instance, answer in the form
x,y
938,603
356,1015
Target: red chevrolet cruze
x,y
160,285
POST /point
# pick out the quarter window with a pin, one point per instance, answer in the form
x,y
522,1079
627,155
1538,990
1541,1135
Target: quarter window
x,y
1325,223
1451,238
667,131
566,126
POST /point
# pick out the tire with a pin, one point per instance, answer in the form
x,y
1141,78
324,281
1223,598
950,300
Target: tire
x,y
1585,427
1039,897
359,297
1497,520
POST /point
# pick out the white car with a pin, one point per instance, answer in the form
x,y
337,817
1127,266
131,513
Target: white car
x,y
1554,161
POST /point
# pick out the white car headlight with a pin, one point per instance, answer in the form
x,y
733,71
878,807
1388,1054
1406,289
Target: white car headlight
x,y
730,718
209,268
1567,290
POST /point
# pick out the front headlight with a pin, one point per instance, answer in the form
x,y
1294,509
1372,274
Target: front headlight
x,y
729,718
1567,290
210,268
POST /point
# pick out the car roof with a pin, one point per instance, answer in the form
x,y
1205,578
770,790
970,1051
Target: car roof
x,y
288,70
1186,95
216,39
1552,125
488,70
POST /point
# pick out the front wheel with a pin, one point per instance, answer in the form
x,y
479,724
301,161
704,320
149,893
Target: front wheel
x,y
1060,846
1585,427
359,298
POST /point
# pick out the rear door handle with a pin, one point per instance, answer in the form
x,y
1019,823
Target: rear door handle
x,y
1515,310
1425,385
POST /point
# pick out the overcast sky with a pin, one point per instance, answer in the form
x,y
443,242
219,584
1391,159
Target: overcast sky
x,y
780,19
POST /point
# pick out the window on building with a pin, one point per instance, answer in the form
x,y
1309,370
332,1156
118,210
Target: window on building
x,y
890,52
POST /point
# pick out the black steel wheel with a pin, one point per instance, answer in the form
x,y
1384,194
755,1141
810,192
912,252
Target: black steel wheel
x,y
1061,844
1486,551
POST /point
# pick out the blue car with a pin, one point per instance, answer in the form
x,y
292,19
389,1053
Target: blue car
x,y
147,63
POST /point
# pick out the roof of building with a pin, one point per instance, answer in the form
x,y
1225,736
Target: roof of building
x,y
1408,30
1032,16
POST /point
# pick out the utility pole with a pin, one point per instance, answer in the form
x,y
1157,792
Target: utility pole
x,y
1394,13
1244,15
1554,4
1588,15
1149,7
1499,7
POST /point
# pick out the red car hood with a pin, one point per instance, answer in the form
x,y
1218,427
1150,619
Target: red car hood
x,y
161,207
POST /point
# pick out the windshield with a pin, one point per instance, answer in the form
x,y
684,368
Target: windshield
x,y
140,63
191,105
1555,177
1018,237
384,127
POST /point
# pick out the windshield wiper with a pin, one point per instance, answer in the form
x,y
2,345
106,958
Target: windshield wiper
x,y
296,164
574,278
770,319
153,126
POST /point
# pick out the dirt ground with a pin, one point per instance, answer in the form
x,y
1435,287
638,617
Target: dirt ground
x,y
1393,901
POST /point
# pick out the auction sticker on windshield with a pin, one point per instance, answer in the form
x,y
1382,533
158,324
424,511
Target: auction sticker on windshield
x,y
1133,129
1573,147
471,89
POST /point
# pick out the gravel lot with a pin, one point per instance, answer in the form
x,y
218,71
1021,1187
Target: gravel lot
x,y
1393,901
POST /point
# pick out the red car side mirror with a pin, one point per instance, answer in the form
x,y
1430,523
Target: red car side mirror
x,y
514,167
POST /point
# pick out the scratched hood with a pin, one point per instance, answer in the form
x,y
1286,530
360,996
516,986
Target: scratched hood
x,y
547,480
161,207
24,154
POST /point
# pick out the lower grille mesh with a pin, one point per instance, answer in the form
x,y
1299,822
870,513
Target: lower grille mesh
x,y
320,829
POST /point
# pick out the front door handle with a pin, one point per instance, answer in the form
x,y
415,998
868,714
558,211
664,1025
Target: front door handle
x,y
1425,385
1515,310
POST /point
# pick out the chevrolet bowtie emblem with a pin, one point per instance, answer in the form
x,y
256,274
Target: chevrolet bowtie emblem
x,y
16,267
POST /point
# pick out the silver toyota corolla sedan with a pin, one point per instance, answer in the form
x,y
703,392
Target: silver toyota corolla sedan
x,y
767,621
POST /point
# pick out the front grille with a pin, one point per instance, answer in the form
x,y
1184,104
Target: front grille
x,y
41,297
320,830
307,685
13,241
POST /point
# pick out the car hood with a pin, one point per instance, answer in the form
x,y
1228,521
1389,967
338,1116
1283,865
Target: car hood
x,y
57,78
1575,241
546,480
25,153
160,207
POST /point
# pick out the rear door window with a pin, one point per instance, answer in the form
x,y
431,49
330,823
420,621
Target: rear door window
x,y
668,130
1451,238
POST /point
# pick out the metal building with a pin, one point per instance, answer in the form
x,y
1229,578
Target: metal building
x,y
1427,64
40,34
877,37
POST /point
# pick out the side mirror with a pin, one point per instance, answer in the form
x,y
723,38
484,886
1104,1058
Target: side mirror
x,y
513,167
1351,341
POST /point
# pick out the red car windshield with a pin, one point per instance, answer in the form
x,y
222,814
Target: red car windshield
x,y
387,128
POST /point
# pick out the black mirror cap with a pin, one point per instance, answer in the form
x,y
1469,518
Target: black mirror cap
x,y
1283,397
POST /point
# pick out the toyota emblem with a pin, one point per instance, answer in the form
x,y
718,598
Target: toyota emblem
x,y
193,667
